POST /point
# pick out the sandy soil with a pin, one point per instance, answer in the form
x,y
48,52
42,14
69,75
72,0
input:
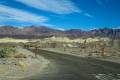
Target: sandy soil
x,y
15,69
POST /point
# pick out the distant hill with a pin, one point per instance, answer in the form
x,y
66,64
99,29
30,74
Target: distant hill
x,y
34,32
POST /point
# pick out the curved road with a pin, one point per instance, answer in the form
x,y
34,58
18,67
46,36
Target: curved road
x,y
67,67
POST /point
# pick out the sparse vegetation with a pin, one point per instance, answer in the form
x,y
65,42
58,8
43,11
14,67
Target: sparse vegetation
x,y
6,40
7,52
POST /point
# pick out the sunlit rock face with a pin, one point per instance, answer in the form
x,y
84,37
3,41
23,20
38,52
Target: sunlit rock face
x,y
77,40
35,32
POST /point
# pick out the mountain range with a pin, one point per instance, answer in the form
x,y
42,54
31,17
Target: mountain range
x,y
33,32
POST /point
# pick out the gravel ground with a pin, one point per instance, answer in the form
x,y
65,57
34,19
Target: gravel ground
x,y
15,69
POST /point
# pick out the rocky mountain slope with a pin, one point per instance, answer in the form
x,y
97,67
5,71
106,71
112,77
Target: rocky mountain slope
x,y
43,32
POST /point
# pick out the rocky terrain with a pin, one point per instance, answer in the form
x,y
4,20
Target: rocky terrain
x,y
35,32
23,63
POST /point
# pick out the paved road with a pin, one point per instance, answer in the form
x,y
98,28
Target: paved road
x,y
67,67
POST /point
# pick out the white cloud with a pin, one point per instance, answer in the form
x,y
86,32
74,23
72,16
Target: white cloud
x,y
13,14
53,26
61,29
88,15
55,6
118,27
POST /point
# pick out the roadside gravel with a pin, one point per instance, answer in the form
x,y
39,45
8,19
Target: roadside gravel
x,y
15,69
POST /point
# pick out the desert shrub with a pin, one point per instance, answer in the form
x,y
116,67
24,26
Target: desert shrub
x,y
6,51
20,56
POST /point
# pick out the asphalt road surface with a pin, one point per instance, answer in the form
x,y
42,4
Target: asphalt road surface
x,y
67,67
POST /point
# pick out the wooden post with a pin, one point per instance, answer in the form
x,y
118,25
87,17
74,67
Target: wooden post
x,y
103,52
36,50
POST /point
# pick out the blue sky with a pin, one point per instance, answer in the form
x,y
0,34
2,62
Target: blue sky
x,y
61,14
